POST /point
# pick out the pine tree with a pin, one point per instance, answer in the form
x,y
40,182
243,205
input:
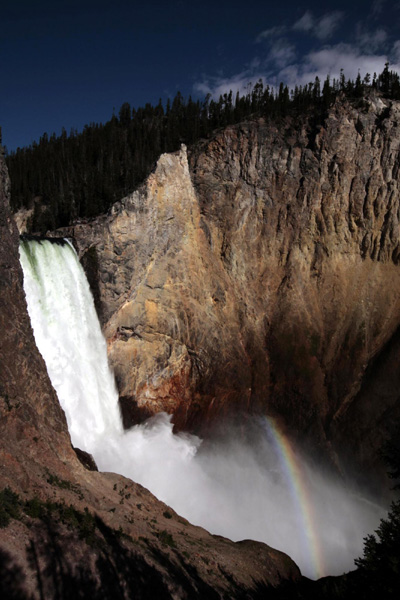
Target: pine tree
x,y
379,567
82,174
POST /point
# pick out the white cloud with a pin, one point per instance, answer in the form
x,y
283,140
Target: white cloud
x,y
218,86
371,40
321,28
331,59
327,25
395,54
281,53
306,23
272,32
367,52
327,60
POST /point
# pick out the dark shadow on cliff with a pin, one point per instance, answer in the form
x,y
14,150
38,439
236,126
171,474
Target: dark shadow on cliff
x,y
121,574
380,386
56,577
187,576
128,575
90,264
12,579
65,565
101,566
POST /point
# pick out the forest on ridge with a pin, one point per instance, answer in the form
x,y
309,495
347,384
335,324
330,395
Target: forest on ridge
x,y
80,175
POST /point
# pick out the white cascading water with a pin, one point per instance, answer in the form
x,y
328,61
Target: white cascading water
x,y
68,335
256,488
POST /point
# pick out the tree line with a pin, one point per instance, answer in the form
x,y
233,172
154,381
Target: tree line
x,y
80,175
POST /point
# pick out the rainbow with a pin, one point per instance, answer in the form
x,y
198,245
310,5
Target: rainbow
x,y
297,481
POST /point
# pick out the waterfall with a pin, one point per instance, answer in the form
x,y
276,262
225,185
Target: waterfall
x,y
68,335
258,487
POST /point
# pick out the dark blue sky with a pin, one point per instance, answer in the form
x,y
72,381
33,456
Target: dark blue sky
x,y
71,63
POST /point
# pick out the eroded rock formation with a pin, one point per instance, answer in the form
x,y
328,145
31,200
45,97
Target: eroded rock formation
x,y
67,531
261,273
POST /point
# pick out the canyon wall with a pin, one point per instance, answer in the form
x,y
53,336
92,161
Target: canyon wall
x,y
67,531
260,273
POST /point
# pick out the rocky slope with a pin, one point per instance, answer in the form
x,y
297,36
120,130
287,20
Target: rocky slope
x,y
67,531
261,273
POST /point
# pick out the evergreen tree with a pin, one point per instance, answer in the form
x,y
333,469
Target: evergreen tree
x,y
379,567
81,174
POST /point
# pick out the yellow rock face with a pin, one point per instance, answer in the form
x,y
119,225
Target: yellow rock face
x,y
260,274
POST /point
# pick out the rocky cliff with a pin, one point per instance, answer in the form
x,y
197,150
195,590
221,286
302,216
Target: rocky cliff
x,y
261,273
67,531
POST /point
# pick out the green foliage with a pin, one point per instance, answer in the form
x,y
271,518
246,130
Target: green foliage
x,y
391,455
35,508
166,539
9,506
85,524
64,484
380,565
61,483
4,518
68,177
167,514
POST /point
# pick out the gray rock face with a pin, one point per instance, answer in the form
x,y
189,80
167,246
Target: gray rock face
x,y
261,274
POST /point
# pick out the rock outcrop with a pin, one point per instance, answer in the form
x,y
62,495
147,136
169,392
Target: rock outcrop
x,y
261,273
67,531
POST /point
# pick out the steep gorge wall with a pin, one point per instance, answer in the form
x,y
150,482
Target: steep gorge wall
x,y
261,273
30,415
71,530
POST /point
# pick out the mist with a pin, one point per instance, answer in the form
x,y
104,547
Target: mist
x,y
250,483
237,487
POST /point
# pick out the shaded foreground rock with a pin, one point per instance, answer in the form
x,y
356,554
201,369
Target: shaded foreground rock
x,y
262,274
69,532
